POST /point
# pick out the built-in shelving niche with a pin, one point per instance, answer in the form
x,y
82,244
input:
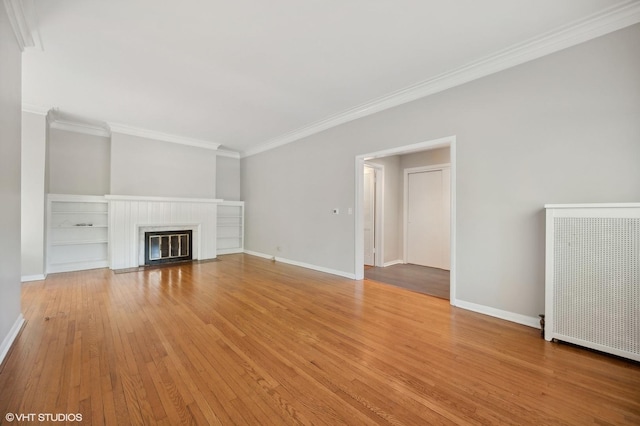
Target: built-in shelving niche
x,y
230,226
77,232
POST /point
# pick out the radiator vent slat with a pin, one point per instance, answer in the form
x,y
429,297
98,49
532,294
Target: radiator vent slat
x,y
595,281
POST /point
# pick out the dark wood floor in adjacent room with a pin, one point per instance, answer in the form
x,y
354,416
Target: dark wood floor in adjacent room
x,y
431,281
248,341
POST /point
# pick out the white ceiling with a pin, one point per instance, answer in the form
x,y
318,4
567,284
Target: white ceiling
x,y
245,73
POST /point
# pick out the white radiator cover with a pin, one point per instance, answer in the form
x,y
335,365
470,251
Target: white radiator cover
x,y
592,294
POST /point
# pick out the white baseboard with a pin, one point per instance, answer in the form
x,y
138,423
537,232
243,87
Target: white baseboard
x,y
258,254
393,262
27,278
302,264
499,313
11,336
229,251
77,266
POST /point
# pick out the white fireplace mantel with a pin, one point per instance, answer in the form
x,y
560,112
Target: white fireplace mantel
x,y
128,215
162,199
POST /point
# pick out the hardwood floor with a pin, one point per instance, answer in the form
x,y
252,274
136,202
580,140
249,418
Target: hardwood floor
x,y
425,280
248,341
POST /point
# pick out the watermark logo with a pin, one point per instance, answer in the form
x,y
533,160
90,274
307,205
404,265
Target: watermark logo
x,y
43,417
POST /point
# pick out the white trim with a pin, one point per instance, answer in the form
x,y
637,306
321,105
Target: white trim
x,y
580,31
82,265
35,109
28,278
393,262
11,337
301,264
258,254
19,23
593,206
87,129
449,141
233,203
453,274
409,149
165,137
499,313
161,199
431,168
74,198
405,197
222,252
72,123
227,153
358,218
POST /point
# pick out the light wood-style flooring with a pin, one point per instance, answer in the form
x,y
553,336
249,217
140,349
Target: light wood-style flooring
x,y
248,341
431,281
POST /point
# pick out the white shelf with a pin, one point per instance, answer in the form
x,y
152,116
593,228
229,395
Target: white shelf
x,y
72,247
76,211
77,242
78,227
230,227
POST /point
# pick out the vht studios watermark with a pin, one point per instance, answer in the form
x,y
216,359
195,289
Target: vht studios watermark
x,y
43,417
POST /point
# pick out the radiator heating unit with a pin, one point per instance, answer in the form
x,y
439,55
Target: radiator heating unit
x,y
592,282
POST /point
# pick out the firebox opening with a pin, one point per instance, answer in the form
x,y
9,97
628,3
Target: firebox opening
x,y
167,246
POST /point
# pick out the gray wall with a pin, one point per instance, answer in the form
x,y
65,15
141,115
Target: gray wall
x,y
78,163
228,178
34,136
561,129
146,167
10,121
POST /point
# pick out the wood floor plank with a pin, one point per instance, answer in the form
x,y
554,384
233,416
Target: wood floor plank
x,y
248,341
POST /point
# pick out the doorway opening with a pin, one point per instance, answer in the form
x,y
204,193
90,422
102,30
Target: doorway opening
x,y
373,214
405,259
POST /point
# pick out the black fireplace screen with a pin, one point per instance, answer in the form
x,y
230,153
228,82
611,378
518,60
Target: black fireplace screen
x,y
167,246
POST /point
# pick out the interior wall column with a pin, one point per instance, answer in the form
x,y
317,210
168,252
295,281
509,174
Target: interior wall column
x,y
33,192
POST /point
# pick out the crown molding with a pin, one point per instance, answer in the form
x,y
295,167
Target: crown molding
x,y
18,21
21,15
227,153
580,31
71,123
87,129
166,137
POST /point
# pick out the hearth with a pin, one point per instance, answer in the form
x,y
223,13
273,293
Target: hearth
x,y
167,246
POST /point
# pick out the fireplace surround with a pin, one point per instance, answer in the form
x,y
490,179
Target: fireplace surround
x,y
130,217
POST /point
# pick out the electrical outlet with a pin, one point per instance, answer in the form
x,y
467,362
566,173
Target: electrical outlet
x,y
335,211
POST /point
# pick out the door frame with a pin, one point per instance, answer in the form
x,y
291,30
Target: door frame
x,y
378,231
405,207
448,141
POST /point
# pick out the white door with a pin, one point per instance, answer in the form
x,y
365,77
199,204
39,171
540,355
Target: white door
x,y
369,215
428,220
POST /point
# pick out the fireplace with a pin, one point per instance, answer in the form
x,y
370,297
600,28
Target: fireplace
x,y
167,246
